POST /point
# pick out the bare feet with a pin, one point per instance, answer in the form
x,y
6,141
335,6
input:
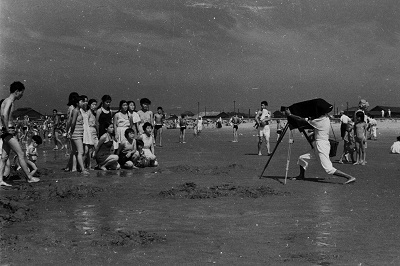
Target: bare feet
x,y
33,179
4,184
85,172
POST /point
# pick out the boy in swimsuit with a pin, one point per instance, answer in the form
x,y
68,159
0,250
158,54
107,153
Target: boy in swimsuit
x,y
182,130
235,121
17,90
158,124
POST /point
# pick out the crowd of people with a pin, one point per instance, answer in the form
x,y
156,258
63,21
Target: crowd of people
x,y
91,132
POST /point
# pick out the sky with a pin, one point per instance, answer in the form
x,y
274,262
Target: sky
x,y
213,55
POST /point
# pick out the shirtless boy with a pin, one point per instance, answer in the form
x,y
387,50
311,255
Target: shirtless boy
x,y
9,141
158,124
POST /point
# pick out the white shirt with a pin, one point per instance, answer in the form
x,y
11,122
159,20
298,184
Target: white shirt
x,y
321,127
395,147
345,119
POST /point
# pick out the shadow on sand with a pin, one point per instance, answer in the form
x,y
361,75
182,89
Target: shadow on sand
x,y
281,179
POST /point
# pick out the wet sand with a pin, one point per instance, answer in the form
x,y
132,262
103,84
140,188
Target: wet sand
x,y
205,203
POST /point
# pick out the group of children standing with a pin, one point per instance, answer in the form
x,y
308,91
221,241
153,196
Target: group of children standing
x,y
356,134
124,139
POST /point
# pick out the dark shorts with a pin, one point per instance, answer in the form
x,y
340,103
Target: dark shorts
x,y
157,127
343,129
183,128
235,127
6,137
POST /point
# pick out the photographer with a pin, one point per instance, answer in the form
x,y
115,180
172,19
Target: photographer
x,y
321,126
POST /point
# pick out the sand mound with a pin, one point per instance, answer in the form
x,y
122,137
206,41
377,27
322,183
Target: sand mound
x,y
192,191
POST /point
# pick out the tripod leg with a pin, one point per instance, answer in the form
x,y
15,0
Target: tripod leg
x,y
288,156
276,146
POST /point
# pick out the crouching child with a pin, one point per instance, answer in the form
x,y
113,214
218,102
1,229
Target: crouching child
x,y
32,154
145,147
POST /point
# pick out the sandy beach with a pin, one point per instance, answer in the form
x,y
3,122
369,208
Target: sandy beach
x,y
206,204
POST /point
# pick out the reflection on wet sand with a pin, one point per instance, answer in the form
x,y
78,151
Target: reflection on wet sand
x,y
328,220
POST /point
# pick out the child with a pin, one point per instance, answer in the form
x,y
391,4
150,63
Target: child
x,y
32,154
159,122
148,146
145,114
348,139
182,128
372,126
360,132
127,152
279,128
104,153
395,149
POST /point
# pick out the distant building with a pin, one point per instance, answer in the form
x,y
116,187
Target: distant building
x,y
20,113
377,111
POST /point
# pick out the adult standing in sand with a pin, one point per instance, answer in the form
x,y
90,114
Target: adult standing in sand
x,y
9,142
321,125
234,122
263,118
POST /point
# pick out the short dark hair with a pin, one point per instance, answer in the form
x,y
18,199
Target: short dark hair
x,y
16,86
128,131
37,139
105,98
146,125
129,102
71,98
75,100
145,101
82,97
55,110
265,103
159,108
122,103
92,101
398,138
360,114
139,142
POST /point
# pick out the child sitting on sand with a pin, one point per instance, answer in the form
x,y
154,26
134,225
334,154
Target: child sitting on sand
x,y
147,149
127,153
348,139
360,133
395,149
